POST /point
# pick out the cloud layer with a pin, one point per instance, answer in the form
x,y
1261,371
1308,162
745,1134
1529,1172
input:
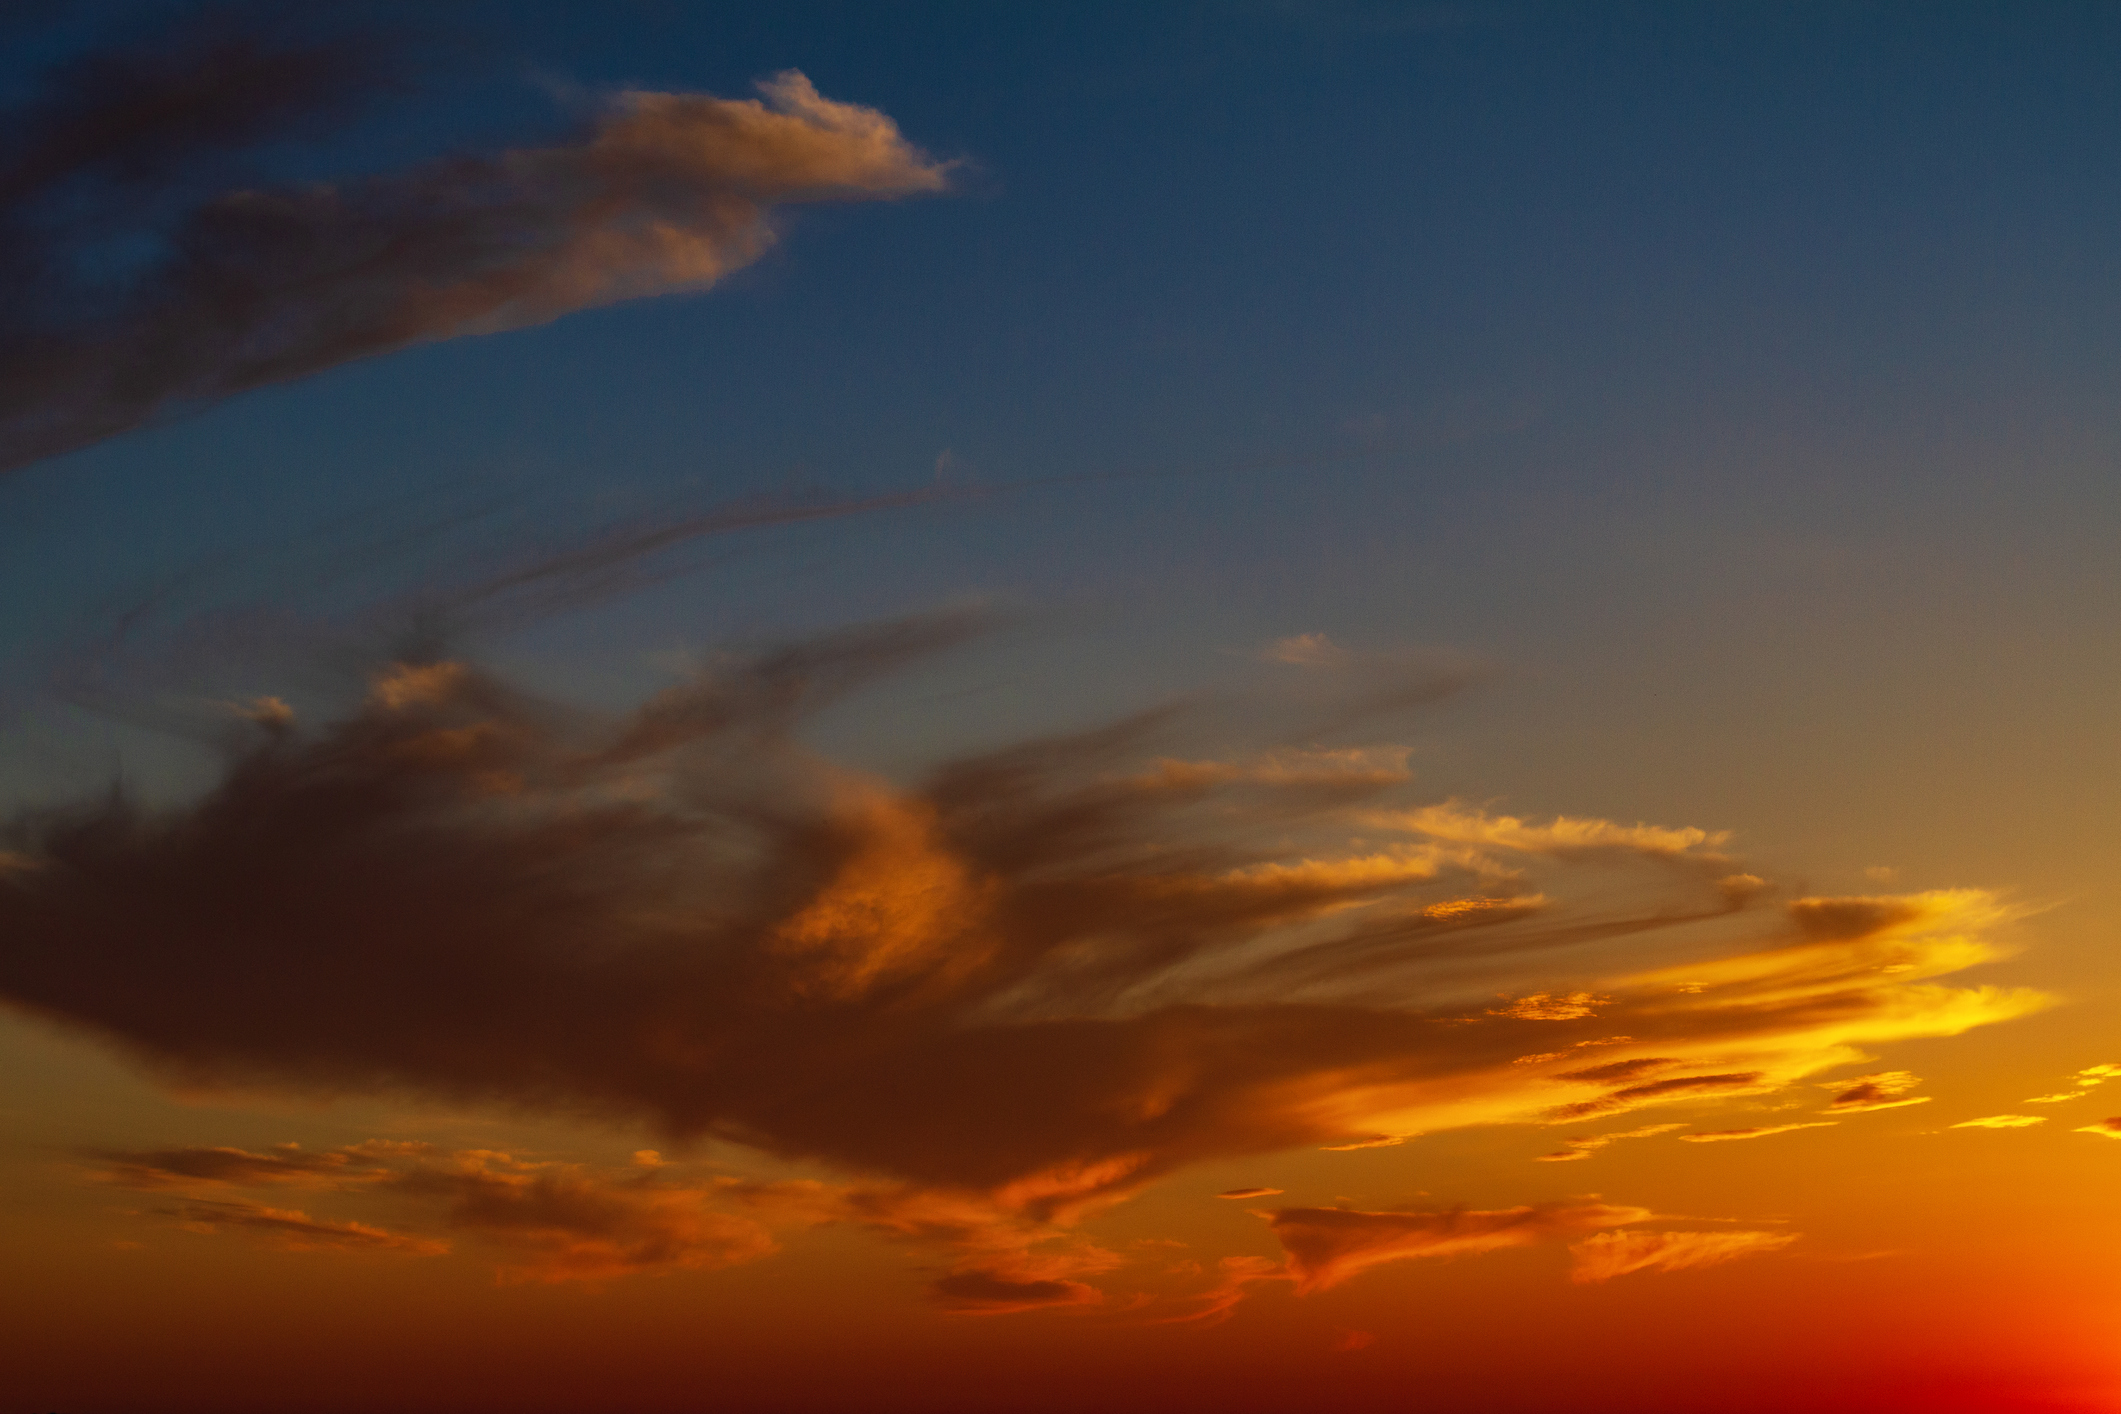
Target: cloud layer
x,y
1021,987
247,287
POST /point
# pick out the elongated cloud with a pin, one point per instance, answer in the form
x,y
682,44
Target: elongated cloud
x,y
292,1230
1613,1254
1326,1246
2110,1128
1000,997
548,1222
2086,1080
1723,1136
662,192
1886,1090
1583,1148
2001,1122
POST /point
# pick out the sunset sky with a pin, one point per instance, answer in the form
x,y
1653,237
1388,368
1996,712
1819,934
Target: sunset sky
x,y
947,707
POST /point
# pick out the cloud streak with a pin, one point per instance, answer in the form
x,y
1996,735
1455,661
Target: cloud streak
x,y
660,192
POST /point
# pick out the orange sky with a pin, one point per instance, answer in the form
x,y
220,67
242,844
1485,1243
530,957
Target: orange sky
x,y
1356,768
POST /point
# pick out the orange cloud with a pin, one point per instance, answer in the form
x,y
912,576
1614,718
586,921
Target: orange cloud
x,y
295,1231
1718,1136
1249,1193
2001,1122
1611,1254
287,1165
1584,1148
1326,1246
1024,986
1882,1091
551,1222
2111,1128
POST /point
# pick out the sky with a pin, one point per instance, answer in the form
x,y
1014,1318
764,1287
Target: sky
x,y
949,707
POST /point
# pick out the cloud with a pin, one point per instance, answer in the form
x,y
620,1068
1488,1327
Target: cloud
x,y
2111,1128
1718,1136
1583,1148
983,1293
1248,1193
1024,985
1611,1254
549,1222
287,1165
1678,1087
561,1223
660,192
1307,650
1883,1091
1564,835
295,1231
1543,1006
1326,1246
2087,1079
2001,1122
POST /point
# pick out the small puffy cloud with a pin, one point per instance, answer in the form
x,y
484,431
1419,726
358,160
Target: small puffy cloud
x,y
1248,1193
2001,1122
295,1231
1584,1148
1718,1136
2111,1128
1887,1090
1306,650
1611,1254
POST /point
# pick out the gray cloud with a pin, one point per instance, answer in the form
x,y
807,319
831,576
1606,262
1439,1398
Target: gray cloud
x,y
252,286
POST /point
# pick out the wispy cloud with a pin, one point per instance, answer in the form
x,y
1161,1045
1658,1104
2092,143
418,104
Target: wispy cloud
x,y
659,192
2001,1122
1583,1148
1611,1254
1886,1090
1719,1136
547,1221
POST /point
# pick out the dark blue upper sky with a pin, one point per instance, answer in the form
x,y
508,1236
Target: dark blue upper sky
x,y
1737,371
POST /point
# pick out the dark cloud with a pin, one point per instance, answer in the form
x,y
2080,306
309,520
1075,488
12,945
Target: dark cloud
x,y
983,1293
549,1222
1886,1090
1326,1246
1002,996
287,1165
258,285
296,1231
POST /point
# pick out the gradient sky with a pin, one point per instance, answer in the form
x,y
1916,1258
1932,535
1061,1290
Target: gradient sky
x,y
982,707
